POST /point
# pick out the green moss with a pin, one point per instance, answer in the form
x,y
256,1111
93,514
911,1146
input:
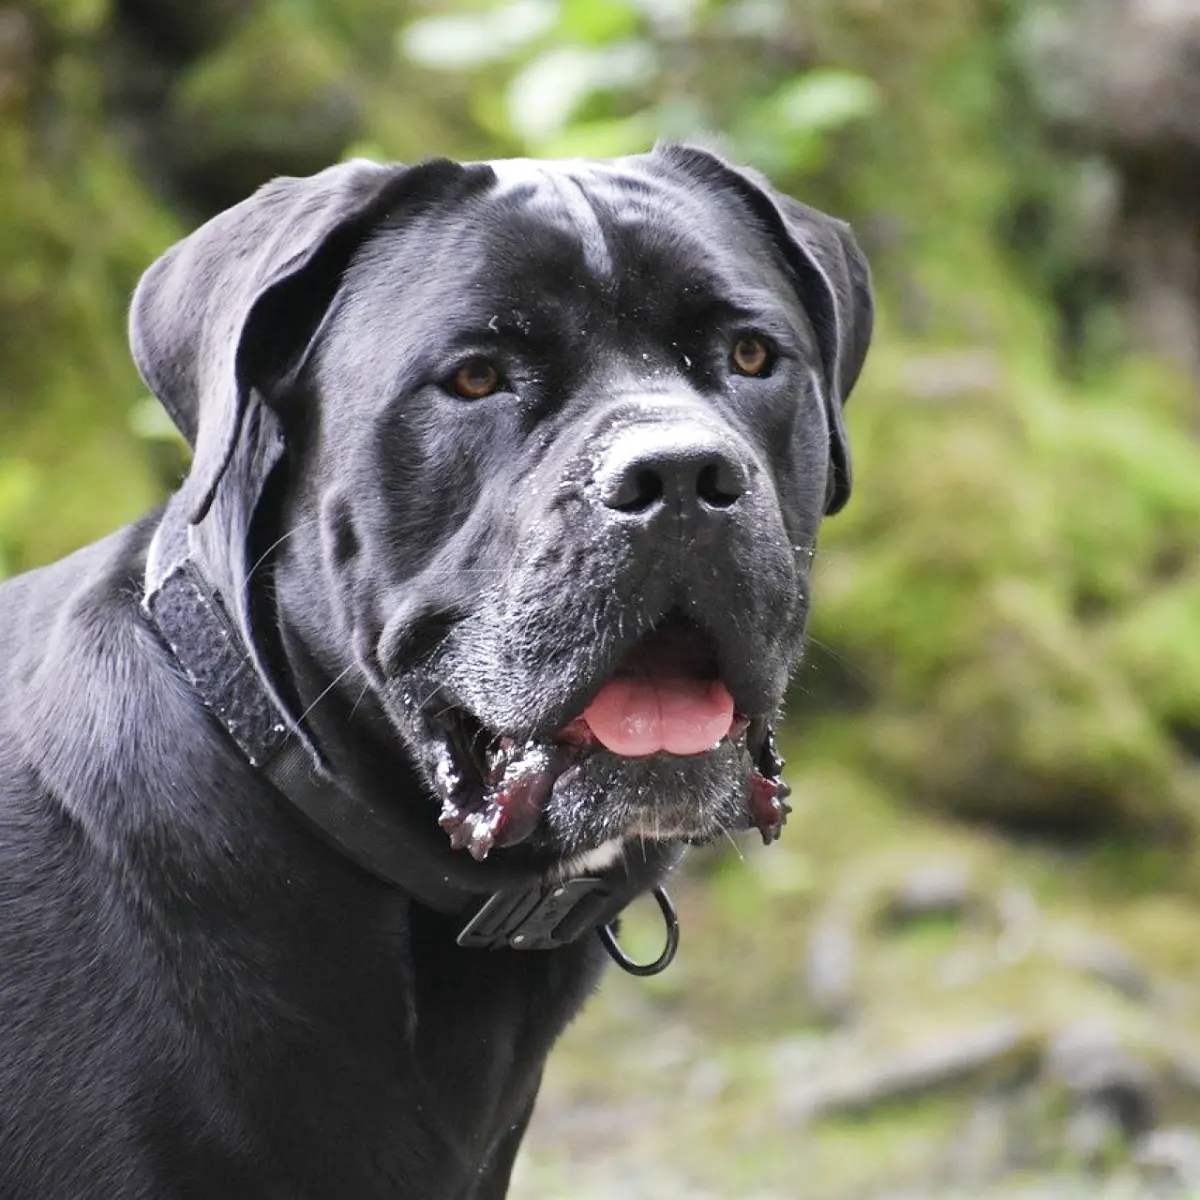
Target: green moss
x,y
277,98
902,1142
1006,583
77,229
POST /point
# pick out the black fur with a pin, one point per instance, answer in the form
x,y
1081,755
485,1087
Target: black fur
x,y
198,998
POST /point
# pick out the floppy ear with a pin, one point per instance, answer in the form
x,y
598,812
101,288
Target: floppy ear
x,y
233,304
836,284
832,279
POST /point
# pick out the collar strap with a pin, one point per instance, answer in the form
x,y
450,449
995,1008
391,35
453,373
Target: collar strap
x,y
527,913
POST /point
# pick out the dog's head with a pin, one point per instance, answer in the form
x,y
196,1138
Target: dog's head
x,y
557,439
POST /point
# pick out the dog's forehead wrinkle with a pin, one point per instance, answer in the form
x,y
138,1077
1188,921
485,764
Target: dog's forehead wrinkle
x,y
630,223
623,262
558,196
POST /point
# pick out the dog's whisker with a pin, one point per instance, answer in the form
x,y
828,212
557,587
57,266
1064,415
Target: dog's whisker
x,y
366,687
422,704
733,842
441,712
332,684
262,558
850,666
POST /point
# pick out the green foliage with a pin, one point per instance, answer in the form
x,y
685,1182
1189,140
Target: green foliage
x,y
559,78
1029,622
277,91
77,227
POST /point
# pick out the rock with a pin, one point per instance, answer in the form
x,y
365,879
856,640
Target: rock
x,y
1122,77
1185,1070
1107,960
983,1148
952,378
1093,1137
829,972
1170,1158
1020,924
967,1058
1095,1069
934,889
1119,73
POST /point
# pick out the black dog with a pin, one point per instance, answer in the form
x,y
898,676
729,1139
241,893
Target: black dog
x,y
478,602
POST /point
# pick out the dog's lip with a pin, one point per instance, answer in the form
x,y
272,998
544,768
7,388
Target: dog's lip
x,y
498,802
494,785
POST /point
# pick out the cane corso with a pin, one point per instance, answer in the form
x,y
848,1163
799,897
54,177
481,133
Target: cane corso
x,y
322,788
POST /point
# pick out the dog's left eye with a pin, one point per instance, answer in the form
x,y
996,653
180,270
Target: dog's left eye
x,y
475,379
752,355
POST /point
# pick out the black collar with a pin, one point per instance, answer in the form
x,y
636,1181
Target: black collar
x,y
524,910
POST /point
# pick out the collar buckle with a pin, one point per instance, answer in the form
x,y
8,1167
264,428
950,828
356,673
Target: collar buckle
x,y
543,918
537,918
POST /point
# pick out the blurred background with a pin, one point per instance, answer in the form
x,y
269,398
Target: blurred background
x,y
972,966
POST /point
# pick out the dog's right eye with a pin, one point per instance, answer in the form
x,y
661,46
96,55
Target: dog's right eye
x,y
475,379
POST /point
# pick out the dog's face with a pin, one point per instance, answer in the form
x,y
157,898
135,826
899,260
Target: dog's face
x,y
561,436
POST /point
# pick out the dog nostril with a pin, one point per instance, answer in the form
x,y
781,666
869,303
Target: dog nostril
x,y
636,491
719,485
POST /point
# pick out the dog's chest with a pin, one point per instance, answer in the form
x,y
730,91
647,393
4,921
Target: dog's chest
x,y
414,1083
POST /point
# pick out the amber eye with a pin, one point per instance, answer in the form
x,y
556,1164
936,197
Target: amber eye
x,y
751,355
475,379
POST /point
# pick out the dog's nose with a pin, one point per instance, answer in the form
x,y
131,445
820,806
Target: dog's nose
x,y
688,471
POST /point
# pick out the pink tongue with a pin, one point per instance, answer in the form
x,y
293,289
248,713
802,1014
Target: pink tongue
x,y
639,716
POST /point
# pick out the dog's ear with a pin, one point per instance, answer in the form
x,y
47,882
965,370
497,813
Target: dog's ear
x,y
833,280
236,304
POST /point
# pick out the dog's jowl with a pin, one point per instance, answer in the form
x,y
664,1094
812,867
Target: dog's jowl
x,y
321,790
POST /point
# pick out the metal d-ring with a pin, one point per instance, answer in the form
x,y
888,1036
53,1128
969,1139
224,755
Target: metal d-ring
x,y
663,961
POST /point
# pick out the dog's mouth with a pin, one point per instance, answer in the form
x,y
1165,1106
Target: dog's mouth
x,y
663,721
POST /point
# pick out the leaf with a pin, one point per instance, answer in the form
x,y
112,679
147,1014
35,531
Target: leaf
x,y
789,131
602,139
550,90
18,481
79,18
464,40
824,100
598,22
